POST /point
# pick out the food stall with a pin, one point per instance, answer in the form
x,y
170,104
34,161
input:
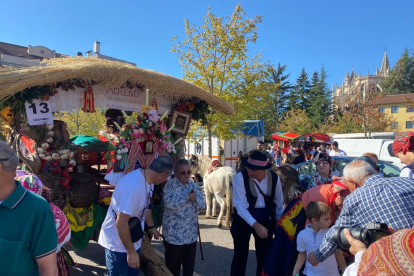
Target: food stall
x,y
147,115
285,140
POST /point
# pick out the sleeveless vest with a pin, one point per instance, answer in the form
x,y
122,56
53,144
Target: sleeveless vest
x,y
251,193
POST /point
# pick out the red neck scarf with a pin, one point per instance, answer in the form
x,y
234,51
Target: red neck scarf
x,y
341,186
403,142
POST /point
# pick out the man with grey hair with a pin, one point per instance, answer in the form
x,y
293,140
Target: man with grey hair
x,y
28,237
373,198
131,199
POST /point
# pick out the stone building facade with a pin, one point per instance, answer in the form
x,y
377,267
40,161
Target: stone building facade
x,y
355,85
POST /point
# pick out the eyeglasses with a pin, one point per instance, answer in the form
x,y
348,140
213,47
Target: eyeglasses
x,y
185,172
4,159
322,163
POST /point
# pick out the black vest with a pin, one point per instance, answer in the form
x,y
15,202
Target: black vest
x,y
251,193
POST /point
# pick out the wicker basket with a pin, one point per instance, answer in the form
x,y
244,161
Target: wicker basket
x,y
83,190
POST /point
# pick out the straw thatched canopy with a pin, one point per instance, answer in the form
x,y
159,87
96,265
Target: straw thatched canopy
x,y
109,74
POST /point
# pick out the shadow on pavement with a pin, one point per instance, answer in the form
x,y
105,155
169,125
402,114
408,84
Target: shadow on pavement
x,y
217,259
90,261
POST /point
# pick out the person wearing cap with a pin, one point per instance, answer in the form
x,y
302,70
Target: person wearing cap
x,y
332,195
324,175
258,203
373,198
403,148
28,237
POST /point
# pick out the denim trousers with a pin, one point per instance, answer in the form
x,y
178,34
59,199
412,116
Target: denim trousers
x,y
117,265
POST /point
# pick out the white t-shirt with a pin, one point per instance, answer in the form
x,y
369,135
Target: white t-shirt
x,y
407,171
339,153
309,241
131,196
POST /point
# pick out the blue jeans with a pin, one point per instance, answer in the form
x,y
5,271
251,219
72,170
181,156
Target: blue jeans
x,y
117,265
278,161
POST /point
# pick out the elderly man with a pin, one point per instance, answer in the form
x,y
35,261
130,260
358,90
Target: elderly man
x,y
131,199
258,202
373,198
28,237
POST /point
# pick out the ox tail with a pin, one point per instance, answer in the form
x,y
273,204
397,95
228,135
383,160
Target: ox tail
x,y
229,193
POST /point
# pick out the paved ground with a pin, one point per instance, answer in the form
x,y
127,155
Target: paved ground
x,y
217,248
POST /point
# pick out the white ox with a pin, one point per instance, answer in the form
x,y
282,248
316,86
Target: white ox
x,y
218,183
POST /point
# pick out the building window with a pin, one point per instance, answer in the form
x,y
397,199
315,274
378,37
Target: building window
x,y
394,109
410,108
409,124
381,110
394,125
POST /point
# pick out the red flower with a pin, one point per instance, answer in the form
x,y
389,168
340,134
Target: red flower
x,y
139,119
145,115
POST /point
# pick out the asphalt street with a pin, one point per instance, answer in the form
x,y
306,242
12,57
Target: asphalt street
x,y
217,248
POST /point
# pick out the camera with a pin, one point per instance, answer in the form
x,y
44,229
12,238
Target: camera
x,y
373,232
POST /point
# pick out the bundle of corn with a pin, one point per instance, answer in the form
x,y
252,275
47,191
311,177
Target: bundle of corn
x,y
151,264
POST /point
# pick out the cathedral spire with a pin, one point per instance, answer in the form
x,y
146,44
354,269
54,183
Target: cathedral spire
x,y
385,65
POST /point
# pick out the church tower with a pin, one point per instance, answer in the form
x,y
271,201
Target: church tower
x,y
385,66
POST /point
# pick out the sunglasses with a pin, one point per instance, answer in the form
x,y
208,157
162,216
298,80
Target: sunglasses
x,y
4,159
185,172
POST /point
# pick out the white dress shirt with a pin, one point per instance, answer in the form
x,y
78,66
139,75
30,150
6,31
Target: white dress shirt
x,y
240,199
352,269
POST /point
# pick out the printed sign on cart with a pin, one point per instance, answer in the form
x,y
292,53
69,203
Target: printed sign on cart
x,y
39,113
119,98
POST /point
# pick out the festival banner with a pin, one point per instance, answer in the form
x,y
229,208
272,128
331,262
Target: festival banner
x,y
118,98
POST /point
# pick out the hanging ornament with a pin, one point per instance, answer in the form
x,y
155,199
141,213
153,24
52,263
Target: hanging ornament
x,y
154,104
88,100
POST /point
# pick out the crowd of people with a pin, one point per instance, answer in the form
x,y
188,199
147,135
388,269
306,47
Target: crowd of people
x,y
32,242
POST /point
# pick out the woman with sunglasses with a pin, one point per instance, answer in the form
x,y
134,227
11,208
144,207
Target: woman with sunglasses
x,y
324,175
182,201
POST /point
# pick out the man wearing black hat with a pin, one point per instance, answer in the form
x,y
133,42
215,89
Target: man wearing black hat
x,y
258,202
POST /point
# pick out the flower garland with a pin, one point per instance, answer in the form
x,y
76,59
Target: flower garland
x,y
198,109
149,126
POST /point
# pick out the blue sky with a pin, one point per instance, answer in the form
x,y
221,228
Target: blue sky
x,y
299,33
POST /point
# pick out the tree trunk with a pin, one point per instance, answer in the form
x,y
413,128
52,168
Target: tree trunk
x,y
210,142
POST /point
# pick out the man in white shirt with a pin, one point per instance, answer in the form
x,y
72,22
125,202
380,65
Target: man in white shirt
x,y
335,151
131,198
258,202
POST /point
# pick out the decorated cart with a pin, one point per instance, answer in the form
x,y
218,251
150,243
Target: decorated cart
x,y
147,115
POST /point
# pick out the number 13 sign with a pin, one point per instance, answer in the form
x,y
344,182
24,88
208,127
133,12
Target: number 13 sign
x,y
39,113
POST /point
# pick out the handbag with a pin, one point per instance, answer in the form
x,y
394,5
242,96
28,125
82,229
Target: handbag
x,y
135,229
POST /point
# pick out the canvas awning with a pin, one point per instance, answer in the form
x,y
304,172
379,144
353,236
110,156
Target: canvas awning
x,y
319,137
287,136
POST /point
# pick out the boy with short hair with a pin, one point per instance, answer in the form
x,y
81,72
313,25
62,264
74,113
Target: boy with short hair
x,y
309,239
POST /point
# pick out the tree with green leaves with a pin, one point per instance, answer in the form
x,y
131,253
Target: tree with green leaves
x,y
401,78
319,108
280,92
215,56
297,121
299,95
79,122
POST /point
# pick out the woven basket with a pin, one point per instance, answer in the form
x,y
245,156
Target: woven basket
x,y
83,190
